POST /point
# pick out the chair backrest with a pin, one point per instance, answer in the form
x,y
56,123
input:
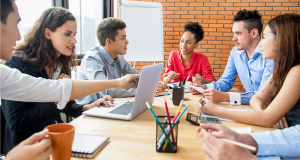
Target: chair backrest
x,y
74,74
3,122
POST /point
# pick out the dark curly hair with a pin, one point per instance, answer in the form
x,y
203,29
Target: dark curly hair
x,y
108,28
196,29
252,20
38,51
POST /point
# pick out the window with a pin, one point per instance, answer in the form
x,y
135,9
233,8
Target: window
x,y
88,15
29,15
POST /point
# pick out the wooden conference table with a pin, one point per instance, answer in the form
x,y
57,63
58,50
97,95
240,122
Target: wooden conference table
x,y
136,139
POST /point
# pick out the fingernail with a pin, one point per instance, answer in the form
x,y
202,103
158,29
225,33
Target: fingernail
x,y
214,133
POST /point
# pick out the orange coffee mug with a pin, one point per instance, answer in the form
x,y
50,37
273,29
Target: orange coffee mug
x,y
62,136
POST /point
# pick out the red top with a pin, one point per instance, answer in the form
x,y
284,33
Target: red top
x,y
198,65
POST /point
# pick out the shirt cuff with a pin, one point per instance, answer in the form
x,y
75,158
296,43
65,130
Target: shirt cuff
x,y
66,93
235,98
209,86
264,143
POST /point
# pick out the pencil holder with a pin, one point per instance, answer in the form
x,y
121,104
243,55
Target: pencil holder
x,y
161,145
178,95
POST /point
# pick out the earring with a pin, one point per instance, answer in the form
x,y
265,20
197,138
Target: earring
x,y
253,36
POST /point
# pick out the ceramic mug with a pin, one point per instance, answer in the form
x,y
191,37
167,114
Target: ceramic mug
x,y
62,136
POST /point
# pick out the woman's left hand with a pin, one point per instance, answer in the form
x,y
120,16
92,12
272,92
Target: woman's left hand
x,y
197,79
282,123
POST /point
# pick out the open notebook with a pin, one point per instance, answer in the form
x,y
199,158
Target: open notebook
x,y
85,146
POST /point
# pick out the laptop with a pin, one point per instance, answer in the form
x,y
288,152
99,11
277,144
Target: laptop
x,y
127,110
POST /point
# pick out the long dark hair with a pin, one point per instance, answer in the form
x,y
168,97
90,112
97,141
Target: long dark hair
x,y
286,29
38,51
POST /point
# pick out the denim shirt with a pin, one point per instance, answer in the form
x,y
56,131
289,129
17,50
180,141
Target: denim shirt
x,y
97,64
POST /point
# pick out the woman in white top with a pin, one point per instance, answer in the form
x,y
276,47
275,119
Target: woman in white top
x,y
17,86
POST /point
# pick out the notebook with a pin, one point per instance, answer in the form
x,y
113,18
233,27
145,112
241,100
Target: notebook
x,y
85,146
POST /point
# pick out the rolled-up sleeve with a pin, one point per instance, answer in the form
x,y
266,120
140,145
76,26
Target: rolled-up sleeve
x,y
22,87
169,67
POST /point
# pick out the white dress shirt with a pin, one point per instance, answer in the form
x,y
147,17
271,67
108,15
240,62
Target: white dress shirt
x,y
21,87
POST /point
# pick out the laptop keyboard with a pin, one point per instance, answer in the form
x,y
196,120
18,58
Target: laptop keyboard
x,y
124,109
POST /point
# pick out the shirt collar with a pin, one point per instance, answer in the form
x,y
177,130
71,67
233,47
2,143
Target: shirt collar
x,y
191,60
107,56
256,51
57,72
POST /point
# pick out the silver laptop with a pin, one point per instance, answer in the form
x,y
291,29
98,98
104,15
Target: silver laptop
x,y
128,110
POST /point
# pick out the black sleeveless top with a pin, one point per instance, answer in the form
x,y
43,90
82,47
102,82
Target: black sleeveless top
x,y
293,116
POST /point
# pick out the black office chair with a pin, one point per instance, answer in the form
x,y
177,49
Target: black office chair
x,y
3,121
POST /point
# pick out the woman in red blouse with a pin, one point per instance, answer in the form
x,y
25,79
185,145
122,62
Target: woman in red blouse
x,y
186,62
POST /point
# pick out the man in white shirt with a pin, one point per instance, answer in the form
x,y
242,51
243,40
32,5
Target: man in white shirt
x,y
17,86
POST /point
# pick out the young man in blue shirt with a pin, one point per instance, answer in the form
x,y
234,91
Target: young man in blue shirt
x,y
245,60
106,61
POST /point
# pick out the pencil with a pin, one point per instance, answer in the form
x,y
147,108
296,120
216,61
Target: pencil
x,y
157,121
188,78
240,144
173,120
180,105
166,143
169,119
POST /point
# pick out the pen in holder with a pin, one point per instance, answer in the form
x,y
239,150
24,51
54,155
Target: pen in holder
x,y
161,144
178,95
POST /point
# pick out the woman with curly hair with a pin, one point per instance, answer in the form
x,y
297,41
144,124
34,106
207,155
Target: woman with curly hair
x,y
185,62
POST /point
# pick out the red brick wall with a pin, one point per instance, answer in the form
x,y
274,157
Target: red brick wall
x,y
216,18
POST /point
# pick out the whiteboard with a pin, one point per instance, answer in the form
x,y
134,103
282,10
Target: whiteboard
x,y
144,30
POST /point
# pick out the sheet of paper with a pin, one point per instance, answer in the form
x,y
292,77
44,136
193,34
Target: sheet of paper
x,y
242,130
269,158
199,89
186,89
229,109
